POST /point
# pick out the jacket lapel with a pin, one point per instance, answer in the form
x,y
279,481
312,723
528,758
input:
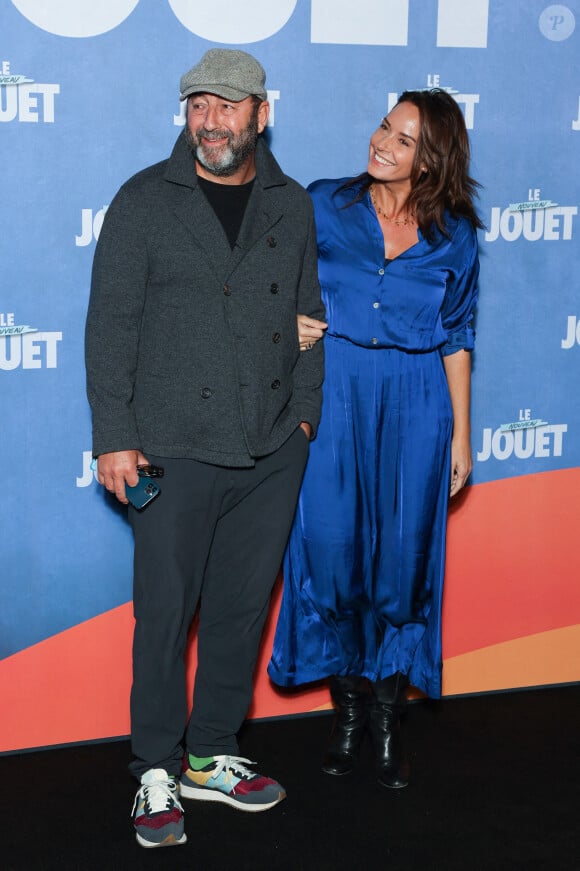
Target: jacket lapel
x,y
262,213
199,218
260,216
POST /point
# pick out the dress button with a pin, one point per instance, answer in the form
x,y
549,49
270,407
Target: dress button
x,y
205,392
381,271
374,340
227,290
376,304
275,384
274,288
276,338
271,241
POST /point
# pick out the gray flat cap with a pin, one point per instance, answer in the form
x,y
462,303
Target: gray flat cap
x,y
226,72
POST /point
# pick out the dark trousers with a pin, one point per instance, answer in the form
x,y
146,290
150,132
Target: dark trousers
x,y
215,536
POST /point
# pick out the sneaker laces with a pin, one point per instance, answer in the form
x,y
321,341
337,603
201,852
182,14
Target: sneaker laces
x,y
159,796
233,763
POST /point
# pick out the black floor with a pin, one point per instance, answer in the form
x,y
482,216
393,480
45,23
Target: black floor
x,y
495,785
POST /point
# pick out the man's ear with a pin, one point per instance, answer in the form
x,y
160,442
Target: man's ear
x,y
263,115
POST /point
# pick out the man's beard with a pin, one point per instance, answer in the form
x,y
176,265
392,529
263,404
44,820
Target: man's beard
x,y
230,156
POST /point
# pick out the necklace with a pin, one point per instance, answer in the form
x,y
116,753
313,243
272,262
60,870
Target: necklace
x,y
401,221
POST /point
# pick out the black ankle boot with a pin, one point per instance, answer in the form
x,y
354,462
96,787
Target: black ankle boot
x,y
388,705
351,696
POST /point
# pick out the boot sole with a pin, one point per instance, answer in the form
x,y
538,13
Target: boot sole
x,y
337,773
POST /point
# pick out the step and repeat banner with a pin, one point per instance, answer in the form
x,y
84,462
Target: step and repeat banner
x,y
88,96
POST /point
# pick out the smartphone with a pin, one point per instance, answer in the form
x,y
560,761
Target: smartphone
x,y
142,493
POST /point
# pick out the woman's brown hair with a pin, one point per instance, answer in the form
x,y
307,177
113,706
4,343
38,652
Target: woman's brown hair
x,y
443,148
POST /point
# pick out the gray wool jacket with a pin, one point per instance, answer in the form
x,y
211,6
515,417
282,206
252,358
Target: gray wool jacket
x,y
192,347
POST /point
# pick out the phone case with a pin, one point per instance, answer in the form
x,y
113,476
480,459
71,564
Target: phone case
x,y
142,493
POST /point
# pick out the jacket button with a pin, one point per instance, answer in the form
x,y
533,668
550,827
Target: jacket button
x,y
275,384
227,290
274,288
271,241
276,338
205,392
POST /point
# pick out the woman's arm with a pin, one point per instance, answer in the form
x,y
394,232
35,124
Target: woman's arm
x,y
458,372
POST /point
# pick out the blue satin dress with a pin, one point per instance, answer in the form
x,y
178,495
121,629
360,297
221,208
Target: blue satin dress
x,y
364,566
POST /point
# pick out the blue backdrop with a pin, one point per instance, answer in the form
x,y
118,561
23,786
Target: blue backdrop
x,y
89,95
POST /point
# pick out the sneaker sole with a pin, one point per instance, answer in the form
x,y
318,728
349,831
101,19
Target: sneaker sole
x,y
170,841
200,794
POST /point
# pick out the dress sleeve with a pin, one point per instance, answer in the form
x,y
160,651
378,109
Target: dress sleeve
x,y
461,295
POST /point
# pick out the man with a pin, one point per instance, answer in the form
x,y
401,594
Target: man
x,y
194,365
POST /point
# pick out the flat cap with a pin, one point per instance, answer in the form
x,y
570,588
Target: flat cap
x,y
226,72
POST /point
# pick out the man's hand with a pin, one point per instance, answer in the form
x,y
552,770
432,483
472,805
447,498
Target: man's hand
x,y
118,468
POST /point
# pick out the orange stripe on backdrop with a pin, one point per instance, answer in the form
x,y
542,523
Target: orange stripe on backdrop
x,y
71,687
512,571
513,561
537,660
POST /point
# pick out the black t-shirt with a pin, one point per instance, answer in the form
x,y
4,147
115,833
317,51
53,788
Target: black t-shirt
x,y
229,202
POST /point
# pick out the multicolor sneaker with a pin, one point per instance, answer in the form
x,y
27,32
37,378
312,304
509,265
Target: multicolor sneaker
x,y
157,813
226,779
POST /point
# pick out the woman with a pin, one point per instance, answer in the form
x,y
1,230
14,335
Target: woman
x,y
364,567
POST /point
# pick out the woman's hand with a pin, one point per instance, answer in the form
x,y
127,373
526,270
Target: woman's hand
x,y
309,331
458,372
461,464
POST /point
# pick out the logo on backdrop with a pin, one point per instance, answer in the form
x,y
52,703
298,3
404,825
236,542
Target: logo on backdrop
x,y
557,22
376,22
534,219
87,474
23,99
467,102
25,347
572,336
524,438
386,22
91,223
